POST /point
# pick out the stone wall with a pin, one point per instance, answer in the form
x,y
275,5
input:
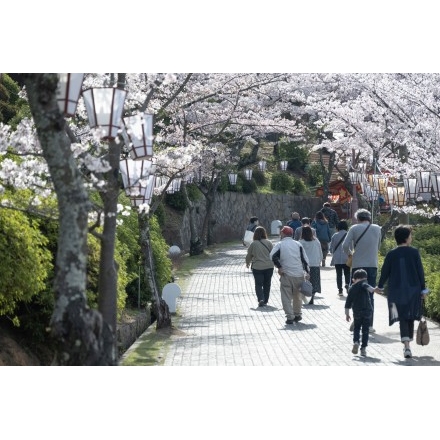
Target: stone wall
x,y
232,212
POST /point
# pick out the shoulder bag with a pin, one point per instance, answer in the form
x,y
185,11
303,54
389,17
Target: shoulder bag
x,y
349,262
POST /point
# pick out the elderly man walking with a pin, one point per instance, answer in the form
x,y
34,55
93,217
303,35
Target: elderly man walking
x,y
363,242
288,256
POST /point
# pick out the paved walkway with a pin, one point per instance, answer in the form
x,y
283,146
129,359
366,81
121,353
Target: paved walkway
x,y
221,324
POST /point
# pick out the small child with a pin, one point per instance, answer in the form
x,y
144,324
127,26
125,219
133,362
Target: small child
x,y
359,300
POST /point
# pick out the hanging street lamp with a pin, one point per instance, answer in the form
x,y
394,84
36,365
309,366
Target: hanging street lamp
x,y
139,131
262,165
135,177
104,107
248,173
424,185
68,92
283,165
232,178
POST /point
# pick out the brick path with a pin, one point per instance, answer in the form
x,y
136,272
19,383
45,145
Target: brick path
x,y
223,326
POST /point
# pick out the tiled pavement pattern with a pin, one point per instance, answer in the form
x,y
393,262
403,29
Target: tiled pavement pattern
x,y
223,326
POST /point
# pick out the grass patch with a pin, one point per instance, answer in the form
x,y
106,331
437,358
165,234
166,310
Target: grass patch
x,y
150,349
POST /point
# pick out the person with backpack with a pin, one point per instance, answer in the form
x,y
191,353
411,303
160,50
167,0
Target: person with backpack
x,y
332,217
320,224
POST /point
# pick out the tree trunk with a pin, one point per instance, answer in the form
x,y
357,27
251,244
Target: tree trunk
x,y
195,247
208,221
161,309
108,271
80,334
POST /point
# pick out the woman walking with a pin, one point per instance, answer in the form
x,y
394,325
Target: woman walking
x,y
403,270
322,228
262,265
313,251
339,257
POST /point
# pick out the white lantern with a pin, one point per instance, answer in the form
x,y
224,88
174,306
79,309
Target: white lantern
x,y
68,91
424,184
435,180
248,173
104,107
283,165
139,130
411,188
232,178
135,174
262,165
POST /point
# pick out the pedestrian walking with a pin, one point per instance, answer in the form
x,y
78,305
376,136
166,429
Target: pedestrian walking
x,y
258,257
339,257
320,223
358,299
331,215
403,271
363,243
305,221
313,250
248,237
288,256
295,221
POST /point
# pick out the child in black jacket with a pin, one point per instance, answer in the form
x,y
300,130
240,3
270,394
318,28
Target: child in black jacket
x,y
358,299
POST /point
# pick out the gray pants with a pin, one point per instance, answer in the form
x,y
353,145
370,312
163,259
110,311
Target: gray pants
x,y
291,295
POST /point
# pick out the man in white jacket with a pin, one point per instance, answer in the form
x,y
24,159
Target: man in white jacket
x,y
286,255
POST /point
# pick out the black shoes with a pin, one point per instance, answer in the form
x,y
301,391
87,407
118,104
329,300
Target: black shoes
x,y
261,303
296,319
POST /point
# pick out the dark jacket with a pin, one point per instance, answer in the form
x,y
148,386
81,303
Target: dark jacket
x,y
358,298
403,270
322,230
331,215
294,224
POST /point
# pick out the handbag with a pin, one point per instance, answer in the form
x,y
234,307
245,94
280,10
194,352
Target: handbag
x,y
306,288
422,336
349,261
248,238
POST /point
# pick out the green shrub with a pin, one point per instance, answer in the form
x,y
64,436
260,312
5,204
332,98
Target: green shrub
x,y
194,194
176,200
314,174
296,155
162,263
25,263
259,177
160,213
248,186
298,186
281,181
